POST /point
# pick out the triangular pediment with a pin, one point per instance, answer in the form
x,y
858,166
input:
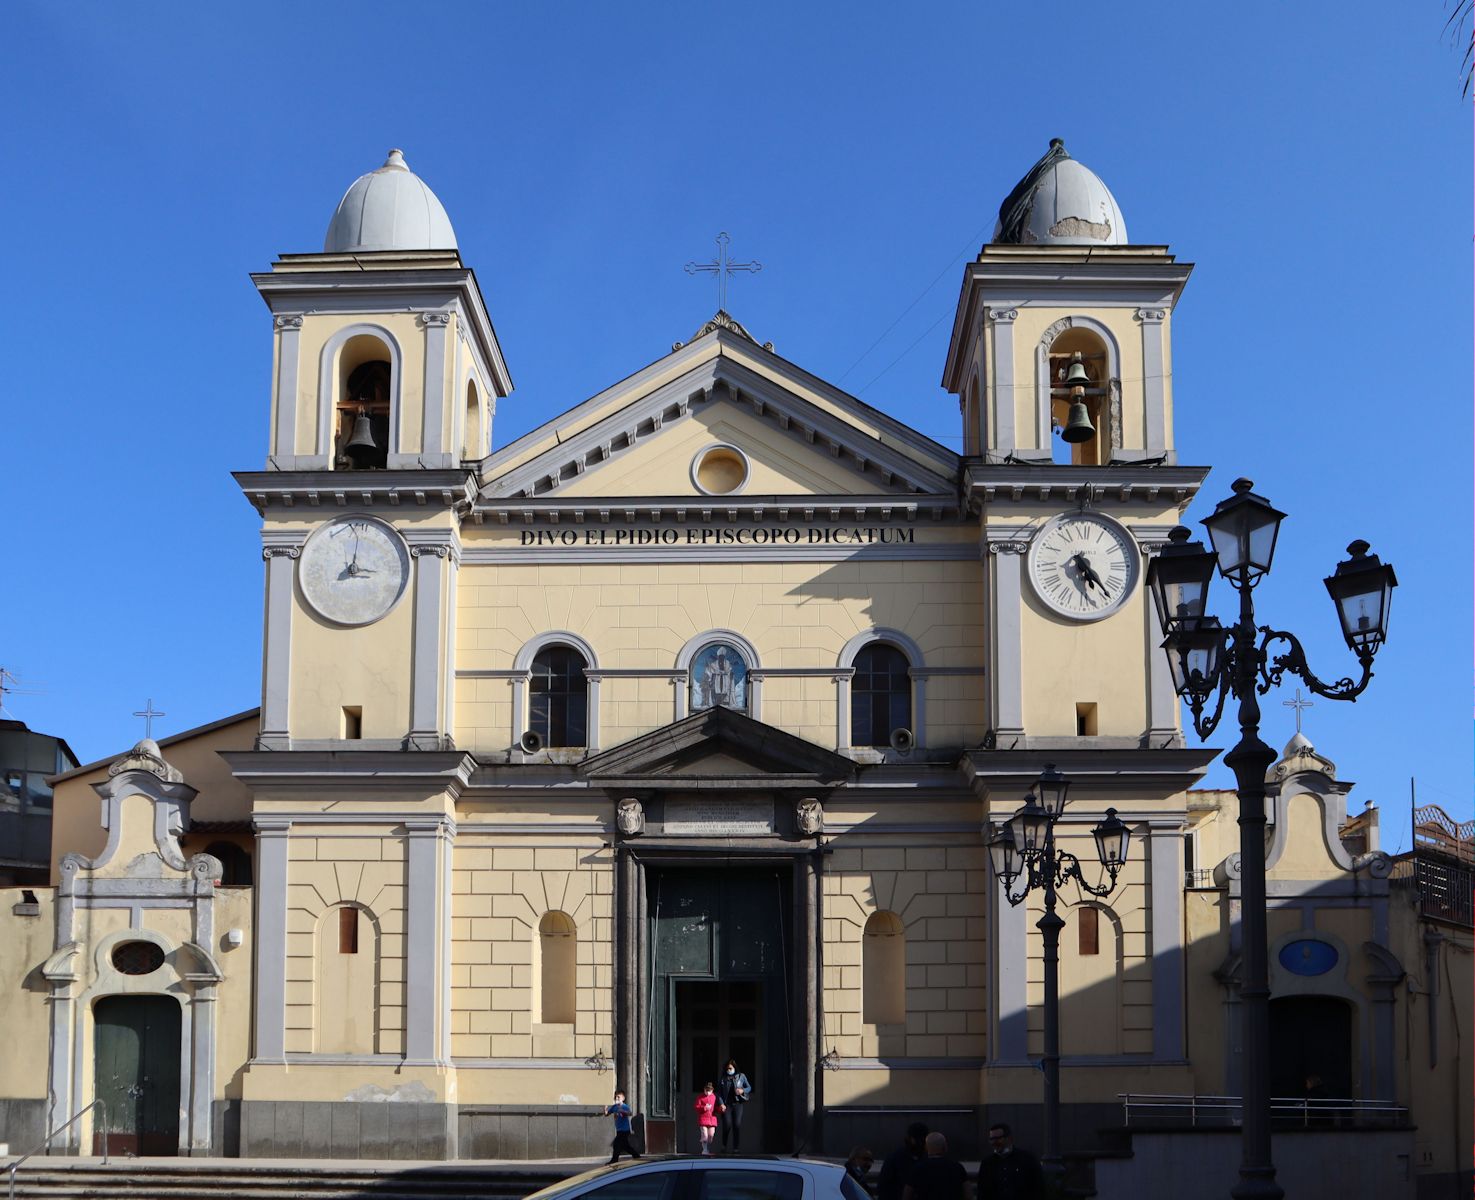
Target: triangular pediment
x,y
718,745
643,437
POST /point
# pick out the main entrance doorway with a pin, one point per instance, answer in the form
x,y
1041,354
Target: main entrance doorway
x,y
715,1022
1311,1047
722,973
137,1056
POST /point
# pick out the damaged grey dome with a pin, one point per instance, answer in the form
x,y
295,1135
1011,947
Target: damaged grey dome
x,y
1060,202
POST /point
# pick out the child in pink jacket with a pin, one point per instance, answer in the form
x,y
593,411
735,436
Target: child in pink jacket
x,y
706,1107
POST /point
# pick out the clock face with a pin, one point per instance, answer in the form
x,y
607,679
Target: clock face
x,y
353,570
1083,566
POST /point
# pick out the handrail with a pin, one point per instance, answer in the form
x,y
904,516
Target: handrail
x,y
1228,1108
99,1103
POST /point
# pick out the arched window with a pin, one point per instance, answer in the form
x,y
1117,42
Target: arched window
x,y
361,426
346,1009
558,697
719,678
880,695
472,447
884,963
1083,346
234,861
557,942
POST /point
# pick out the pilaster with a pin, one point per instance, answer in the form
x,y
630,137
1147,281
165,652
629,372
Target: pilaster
x,y
276,671
271,939
284,442
427,730
1154,379
1005,438
425,967
1005,565
1165,862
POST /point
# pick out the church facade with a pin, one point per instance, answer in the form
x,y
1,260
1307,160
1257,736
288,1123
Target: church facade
x,y
675,731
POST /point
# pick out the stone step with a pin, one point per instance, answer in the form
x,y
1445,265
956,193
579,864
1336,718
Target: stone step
x,y
268,1180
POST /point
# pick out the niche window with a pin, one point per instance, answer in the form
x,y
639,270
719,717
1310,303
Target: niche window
x,y
558,695
361,439
884,961
235,863
348,930
1088,930
719,678
880,695
1085,720
557,942
1080,399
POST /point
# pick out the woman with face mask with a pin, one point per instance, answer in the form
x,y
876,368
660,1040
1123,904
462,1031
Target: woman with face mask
x,y
734,1091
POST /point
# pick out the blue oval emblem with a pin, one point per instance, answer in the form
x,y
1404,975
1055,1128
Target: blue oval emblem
x,y
1307,956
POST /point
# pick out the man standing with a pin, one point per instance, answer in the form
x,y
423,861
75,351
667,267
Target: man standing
x,y
1009,1173
937,1177
620,1111
899,1163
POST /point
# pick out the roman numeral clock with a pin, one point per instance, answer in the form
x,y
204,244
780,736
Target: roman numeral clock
x,y
1083,565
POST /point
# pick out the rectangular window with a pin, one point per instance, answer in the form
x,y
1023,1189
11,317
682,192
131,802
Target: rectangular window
x,y
1089,930
1085,720
348,931
353,723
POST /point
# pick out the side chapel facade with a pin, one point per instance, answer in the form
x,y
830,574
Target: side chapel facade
x,y
675,730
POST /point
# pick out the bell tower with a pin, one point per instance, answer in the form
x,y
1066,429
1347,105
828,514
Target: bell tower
x,y
1060,359
386,373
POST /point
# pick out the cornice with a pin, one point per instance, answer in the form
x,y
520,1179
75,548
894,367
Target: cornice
x,y
1127,769
453,489
996,483
578,510
360,772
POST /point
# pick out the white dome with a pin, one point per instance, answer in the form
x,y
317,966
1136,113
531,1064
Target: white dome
x,y
389,209
1060,203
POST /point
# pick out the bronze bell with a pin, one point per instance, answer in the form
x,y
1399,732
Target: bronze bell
x,y
361,448
1078,427
1076,376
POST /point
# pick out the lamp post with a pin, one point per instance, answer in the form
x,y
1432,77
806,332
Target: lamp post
x,y
1209,663
1024,854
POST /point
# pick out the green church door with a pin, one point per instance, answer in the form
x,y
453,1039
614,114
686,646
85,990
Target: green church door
x,y
137,1044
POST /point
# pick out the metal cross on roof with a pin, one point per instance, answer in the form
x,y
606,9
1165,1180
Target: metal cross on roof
x,y
148,714
722,267
1300,706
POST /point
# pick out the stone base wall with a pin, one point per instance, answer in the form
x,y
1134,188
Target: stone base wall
x,y
22,1123
536,1131
1350,1164
347,1129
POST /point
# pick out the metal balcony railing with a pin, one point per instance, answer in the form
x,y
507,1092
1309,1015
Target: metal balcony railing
x,y
1193,1111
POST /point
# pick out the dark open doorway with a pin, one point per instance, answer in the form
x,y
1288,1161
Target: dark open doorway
x,y
137,1054
715,1022
722,971
1311,1047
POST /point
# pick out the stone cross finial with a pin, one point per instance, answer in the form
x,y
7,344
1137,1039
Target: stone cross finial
x,y
722,267
1299,705
148,714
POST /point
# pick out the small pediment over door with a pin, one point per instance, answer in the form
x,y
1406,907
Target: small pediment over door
x,y
718,748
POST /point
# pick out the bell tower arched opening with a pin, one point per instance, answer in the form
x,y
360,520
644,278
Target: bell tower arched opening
x,y
1080,398
362,405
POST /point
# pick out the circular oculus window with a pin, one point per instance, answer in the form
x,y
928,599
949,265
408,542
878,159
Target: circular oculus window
x,y
720,470
137,958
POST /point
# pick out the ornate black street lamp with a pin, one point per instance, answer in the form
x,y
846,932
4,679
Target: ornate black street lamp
x,y
1025,859
1209,663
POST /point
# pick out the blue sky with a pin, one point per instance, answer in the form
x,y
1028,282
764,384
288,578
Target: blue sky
x,y
1313,160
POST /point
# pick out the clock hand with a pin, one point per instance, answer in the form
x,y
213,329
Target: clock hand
x,y
1088,573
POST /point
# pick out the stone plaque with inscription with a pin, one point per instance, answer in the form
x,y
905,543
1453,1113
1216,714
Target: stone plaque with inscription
x,y
719,818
